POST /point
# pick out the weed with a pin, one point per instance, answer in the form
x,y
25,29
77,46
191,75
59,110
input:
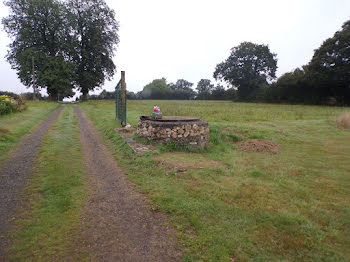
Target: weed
x,y
256,136
256,173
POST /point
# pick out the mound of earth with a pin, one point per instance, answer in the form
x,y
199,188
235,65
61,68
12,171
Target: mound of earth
x,y
259,145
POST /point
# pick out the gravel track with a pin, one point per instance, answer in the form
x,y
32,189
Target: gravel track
x,y
14,172
117,222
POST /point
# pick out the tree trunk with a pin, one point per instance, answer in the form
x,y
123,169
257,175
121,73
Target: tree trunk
x,y
53,97
85,94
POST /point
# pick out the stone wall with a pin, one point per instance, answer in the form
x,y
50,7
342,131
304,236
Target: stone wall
x,y
194,133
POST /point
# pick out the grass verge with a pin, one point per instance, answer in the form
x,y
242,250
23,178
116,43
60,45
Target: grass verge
x,y
56,194
14,126
248,206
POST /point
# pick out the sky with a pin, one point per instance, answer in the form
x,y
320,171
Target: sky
x,y
186,39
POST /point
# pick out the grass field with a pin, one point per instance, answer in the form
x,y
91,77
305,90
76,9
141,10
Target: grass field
x,y
241,206
14,126
49,230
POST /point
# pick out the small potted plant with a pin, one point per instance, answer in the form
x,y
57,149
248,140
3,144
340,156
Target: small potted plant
x,y
156,114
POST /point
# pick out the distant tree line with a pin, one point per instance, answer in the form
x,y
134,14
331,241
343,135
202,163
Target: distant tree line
x,y
60,45
250,71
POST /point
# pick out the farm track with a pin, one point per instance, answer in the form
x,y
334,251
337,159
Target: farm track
x,y
118,224
14,172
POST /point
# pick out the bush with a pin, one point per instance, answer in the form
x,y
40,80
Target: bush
x,y
9,104
343,120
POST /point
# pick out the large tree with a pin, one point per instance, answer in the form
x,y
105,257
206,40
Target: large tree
x,y
95,31
329,69
39,33
248,67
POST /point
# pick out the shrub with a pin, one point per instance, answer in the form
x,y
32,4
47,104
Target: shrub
x,y
343,120
9,104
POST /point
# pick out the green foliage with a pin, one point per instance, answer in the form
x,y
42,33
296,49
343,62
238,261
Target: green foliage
x,y
39,31
29,96
157,89
329,68
70,42
95,31
182,90
325,80
11,104
204,89
248,67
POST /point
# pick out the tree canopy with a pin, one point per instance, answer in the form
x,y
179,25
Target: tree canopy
x,y
248,67
329,69
182,89
95,36
71,46
157,89
204,89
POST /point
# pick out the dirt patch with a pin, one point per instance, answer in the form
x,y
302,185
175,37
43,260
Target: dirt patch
x,y
3,131
14,172
259,145
117,224
181,162
127,133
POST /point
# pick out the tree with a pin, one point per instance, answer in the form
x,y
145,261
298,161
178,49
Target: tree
x,y
95,31
291,87
182,90
157,89
329,69
248,67
204,89
218,93
38,30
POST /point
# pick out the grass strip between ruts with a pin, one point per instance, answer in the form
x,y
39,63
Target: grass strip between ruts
x,y
56,194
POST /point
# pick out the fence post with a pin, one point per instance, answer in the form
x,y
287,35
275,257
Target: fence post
x,y
123,99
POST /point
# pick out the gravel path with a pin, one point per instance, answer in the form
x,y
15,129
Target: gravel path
x,y
117,221
14,172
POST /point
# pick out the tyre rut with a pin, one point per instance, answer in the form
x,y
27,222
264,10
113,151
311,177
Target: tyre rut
x,y
14,172
117,221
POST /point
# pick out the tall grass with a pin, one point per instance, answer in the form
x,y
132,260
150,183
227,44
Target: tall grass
x,y
343,120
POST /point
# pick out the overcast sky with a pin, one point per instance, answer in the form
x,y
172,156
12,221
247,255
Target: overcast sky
x,y
186,39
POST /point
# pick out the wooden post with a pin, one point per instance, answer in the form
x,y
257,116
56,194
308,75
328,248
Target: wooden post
x,y
123,98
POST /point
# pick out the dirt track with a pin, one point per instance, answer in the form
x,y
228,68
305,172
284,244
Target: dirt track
x,y
120,226
14,172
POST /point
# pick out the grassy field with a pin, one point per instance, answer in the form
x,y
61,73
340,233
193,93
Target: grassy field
x,y
231,205
49,231
14,126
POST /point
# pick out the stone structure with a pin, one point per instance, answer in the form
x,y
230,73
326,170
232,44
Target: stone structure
x,y
181,130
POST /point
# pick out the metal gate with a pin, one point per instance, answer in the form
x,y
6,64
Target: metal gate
x,y
120,100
